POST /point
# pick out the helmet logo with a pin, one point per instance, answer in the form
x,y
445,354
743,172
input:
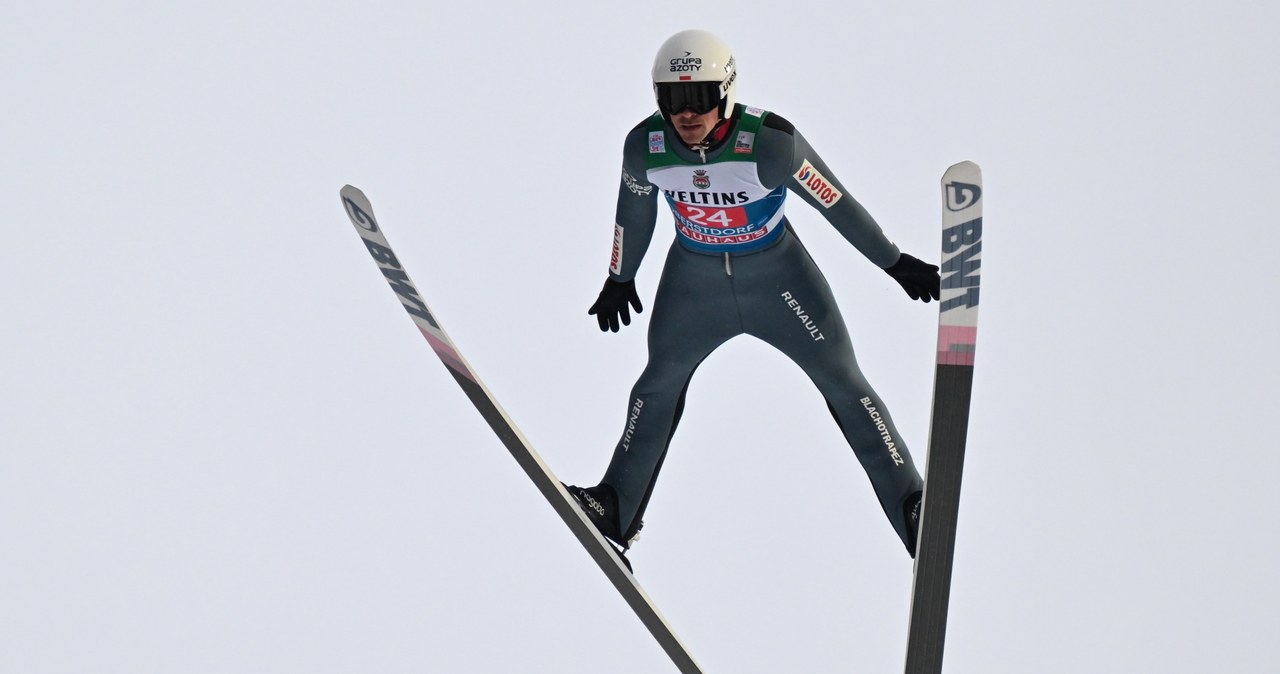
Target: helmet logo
x,y
729,78
701,180
686,63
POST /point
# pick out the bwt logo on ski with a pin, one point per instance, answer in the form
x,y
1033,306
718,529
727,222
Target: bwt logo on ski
x,y
818,185
686,64
962,258
359,216
399,281
962,195
881,426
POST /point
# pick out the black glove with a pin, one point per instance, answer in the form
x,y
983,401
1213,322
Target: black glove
x,y
919,278
612,303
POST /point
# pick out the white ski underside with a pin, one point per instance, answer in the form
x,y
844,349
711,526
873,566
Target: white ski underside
x,y
361,213
953,385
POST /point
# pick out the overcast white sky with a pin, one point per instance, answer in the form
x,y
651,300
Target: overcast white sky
x,y
225,448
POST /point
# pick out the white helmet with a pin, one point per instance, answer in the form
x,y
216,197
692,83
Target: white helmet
x,y
694,69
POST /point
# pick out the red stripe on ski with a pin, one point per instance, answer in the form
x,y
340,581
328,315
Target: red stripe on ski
x,y
447,354
956,344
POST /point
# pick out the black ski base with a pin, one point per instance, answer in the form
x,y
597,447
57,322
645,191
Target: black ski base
x,y
935,550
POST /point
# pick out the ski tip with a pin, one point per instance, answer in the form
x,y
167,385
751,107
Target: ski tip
x,y
358,208
965,175
352,194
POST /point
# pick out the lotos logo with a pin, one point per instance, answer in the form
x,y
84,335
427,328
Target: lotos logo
x,y
615,258
817,185
962,195
701,180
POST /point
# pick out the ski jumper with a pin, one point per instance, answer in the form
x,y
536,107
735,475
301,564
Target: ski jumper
x,y
735,268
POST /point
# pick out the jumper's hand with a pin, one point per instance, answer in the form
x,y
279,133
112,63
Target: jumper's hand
x,y
919,278
612,303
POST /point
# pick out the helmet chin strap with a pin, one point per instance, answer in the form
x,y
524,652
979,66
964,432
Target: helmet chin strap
x,y
710,138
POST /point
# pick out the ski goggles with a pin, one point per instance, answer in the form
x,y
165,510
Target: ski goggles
x,y
675,97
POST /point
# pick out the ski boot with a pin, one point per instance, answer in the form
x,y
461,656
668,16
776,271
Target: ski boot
x,y
912,510
600,503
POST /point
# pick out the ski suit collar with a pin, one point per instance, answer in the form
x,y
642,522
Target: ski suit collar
x,y
713,140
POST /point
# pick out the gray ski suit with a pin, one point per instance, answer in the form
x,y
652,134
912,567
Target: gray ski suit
x,y
735,268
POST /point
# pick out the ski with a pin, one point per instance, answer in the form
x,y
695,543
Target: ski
x,y
952,390
604,554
